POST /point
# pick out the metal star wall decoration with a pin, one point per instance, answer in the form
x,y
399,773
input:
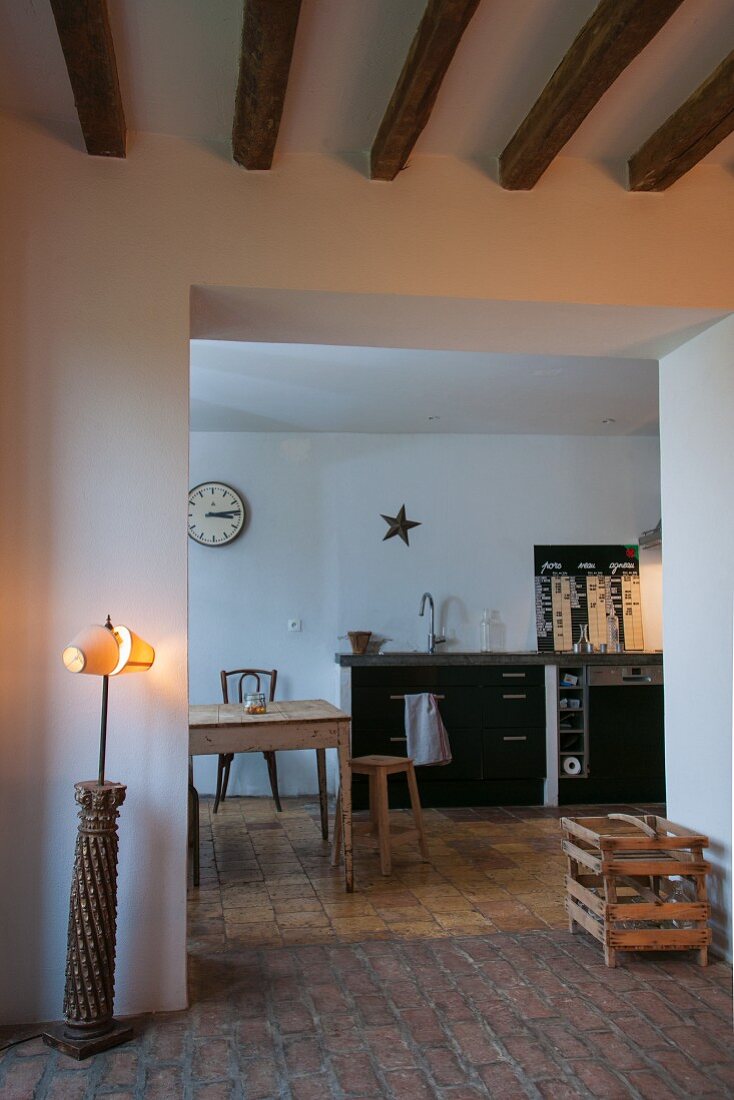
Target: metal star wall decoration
x,y
399,525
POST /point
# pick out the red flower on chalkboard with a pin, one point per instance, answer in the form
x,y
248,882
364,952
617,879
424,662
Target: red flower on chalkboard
x,y
630,551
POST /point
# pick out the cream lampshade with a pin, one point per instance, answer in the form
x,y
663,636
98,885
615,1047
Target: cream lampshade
x,y
135,655
94,650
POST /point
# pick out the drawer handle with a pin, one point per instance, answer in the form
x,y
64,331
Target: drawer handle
x,y
522,737
505,695
513,675
402,696
398,738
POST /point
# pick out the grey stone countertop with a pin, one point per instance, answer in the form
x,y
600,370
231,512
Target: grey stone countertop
x,y
522,657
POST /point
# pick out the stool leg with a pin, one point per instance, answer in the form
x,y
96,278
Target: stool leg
x,y
415,804
374,823
383,822
336,844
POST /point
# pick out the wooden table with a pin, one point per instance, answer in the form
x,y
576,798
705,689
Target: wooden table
x,y
295,724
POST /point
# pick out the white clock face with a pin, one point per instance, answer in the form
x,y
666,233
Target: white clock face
x,y
216,514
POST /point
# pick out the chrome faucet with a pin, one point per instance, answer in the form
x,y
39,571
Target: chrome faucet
x,y
433,641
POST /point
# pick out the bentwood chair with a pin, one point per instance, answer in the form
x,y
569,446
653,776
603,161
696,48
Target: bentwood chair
x,y
233,682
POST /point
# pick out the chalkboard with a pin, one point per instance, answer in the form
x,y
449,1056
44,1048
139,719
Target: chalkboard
x,y
575,585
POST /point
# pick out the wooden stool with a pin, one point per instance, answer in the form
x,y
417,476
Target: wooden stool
x,y
377,834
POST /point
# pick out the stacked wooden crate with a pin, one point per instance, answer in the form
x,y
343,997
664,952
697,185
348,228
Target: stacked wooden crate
x,y
637,884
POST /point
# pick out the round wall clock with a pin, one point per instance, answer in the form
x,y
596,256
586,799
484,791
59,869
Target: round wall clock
x,y
216,513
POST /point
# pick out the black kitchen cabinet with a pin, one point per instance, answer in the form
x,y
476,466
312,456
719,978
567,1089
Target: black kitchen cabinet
x,y
495,719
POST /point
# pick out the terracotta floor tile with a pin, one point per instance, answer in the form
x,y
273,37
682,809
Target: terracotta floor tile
x,y
392,899
246,935
443,889
457,923
302,920
297,905
250,915
417,929
359,924
308,935
281,889
446,903
349,903
394,913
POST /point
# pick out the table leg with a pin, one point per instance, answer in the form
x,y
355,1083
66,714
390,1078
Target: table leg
x,y
194,820
323,793
345,779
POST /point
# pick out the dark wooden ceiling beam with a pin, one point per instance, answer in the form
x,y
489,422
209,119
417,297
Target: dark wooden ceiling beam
x,y
433,47
89,53
611,38
697,127
268,35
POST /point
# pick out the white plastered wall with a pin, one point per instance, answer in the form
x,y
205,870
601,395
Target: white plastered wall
x,y
98,258
697,455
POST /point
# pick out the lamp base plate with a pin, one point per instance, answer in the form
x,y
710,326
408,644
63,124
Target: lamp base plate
x,y
85,1048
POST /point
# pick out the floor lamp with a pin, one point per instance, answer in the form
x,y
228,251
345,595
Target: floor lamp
x,y
90,955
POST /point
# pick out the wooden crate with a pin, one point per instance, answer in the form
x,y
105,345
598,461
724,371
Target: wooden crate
x,y
637,884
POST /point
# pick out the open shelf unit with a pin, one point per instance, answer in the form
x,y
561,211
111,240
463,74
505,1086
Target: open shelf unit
x,y
573,725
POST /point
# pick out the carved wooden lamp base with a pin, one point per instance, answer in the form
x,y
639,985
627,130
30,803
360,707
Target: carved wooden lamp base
x,y
85,1048
90,960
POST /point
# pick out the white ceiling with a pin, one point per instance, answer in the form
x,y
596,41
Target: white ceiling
x,y
265,387
178,71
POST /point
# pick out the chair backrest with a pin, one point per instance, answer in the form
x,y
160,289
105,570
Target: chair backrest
x,y
233,682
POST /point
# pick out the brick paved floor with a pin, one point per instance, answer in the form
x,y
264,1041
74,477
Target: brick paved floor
x,y
529,1013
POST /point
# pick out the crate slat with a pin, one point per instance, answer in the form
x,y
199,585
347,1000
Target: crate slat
x,y
586,920
580,856
591,901
643,843
673,910
657,939
645,867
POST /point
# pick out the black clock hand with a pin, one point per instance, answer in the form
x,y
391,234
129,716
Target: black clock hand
x,y
223,515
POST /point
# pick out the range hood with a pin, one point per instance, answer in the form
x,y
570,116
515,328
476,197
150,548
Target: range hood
x,y
653,537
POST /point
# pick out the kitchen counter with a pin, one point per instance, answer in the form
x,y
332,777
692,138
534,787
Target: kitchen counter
x,y
522,657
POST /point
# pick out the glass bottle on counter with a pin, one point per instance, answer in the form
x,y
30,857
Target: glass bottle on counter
x,y
496,632
485,632
612,629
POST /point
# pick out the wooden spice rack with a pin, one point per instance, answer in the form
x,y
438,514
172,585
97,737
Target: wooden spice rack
x,y
637,884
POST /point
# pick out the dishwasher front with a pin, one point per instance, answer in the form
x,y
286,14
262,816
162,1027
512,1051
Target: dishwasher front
x,y
626,762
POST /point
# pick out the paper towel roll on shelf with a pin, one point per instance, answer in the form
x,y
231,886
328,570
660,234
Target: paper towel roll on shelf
x,y
572,765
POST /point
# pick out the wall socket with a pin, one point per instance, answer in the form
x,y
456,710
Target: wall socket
x,y
295,626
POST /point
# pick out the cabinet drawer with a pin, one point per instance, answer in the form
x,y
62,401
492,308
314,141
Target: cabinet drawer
x,y
385,705
514,705
466,752
513,674
514,753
